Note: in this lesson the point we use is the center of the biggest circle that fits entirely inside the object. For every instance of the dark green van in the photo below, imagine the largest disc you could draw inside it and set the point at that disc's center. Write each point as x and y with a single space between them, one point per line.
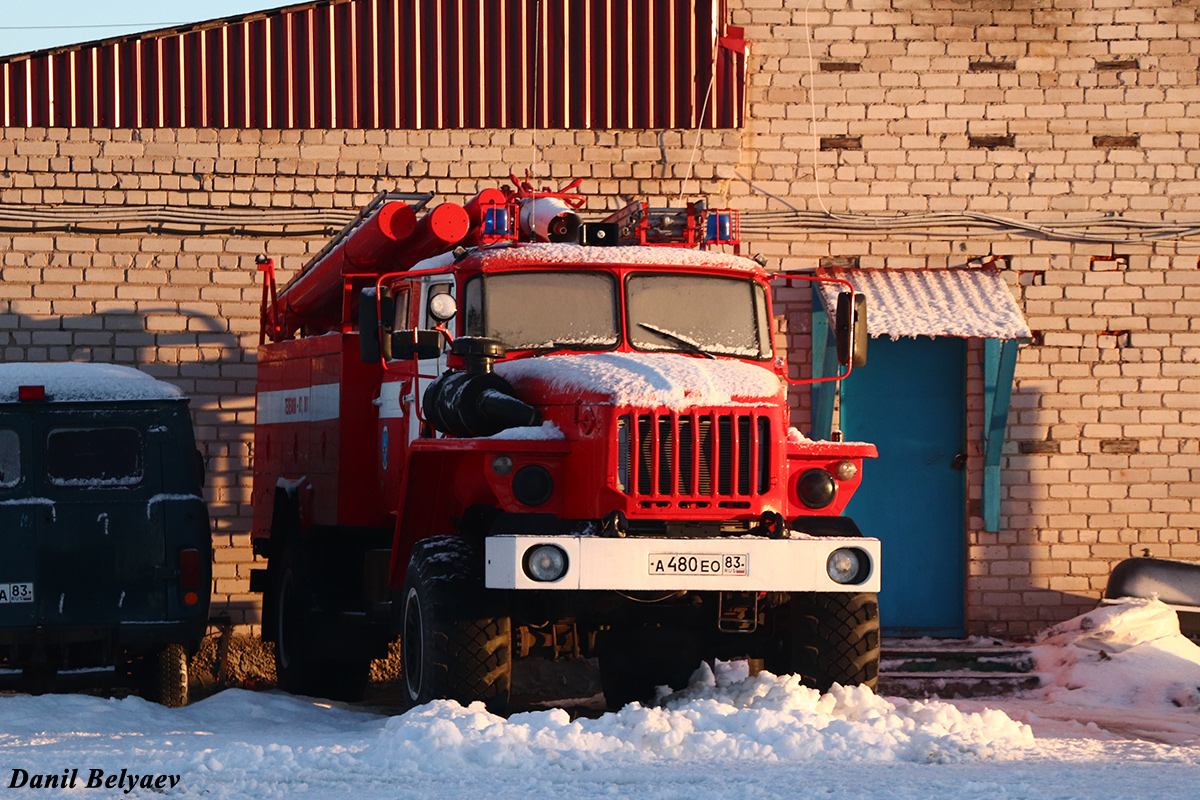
105 545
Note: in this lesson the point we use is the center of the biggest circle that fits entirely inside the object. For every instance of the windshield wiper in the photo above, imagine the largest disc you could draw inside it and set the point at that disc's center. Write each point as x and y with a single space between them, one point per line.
688 342
559 346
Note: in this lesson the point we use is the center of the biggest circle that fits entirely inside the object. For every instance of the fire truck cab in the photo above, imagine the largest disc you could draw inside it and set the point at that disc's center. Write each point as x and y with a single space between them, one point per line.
522 434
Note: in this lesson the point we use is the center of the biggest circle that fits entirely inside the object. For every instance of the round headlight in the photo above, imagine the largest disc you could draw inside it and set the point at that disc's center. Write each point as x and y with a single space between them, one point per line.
845 470
545 563
816 488
532 485
502 465
847 565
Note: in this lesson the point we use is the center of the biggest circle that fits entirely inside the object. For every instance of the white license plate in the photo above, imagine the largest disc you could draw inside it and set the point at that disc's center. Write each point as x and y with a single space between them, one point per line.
16 592
699 563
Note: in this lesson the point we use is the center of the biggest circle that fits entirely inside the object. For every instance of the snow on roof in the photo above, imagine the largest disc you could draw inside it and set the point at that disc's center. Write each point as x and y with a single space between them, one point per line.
1126 655
555 253
933 302
648 379
78 382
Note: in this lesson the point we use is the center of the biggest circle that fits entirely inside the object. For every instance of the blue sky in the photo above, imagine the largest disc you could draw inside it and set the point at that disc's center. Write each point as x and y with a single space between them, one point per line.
37 24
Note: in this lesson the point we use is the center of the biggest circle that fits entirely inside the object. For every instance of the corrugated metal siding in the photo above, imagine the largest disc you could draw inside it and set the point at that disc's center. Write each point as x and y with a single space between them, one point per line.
409 64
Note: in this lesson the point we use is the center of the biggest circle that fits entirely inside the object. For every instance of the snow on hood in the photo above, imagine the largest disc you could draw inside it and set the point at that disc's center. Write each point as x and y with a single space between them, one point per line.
1125 655
78 382
647 379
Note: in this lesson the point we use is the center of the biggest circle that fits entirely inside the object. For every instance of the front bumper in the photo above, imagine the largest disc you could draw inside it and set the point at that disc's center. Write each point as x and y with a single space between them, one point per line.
743 563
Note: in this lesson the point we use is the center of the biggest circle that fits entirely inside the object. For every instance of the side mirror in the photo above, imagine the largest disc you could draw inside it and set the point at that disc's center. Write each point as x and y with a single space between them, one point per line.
850 328
415 344
374 326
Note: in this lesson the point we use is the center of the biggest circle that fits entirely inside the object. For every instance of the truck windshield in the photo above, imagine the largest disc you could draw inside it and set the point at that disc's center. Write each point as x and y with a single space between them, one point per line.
705 314
544 310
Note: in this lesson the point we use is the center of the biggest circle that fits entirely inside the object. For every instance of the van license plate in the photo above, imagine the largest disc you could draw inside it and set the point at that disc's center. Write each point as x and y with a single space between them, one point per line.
699 564
16 592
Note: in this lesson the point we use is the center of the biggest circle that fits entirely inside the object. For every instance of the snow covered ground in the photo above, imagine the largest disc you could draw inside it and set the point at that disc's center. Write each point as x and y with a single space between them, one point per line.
1118 718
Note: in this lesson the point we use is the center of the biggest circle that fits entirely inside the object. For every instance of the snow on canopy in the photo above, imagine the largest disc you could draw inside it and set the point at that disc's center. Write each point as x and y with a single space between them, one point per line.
970 303
77 382
1129 654
648 379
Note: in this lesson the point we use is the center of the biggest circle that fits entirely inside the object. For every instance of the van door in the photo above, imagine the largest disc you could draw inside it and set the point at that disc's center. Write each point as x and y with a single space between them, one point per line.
21 507
100 553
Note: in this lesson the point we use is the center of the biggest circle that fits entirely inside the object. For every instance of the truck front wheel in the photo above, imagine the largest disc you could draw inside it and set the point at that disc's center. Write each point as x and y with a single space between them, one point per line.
456 640
827 638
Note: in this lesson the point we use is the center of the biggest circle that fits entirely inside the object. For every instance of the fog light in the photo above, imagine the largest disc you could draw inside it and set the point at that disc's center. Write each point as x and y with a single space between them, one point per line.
845 470
502 465
816 488
532 485
545 563
847 565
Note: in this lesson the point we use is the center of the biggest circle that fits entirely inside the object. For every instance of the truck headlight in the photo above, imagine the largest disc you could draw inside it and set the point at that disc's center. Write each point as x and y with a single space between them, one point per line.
532 485
545 563
816 488
848 565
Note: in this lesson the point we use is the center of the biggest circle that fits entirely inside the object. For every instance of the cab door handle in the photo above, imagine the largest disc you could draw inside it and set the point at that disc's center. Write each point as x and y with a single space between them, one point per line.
959 461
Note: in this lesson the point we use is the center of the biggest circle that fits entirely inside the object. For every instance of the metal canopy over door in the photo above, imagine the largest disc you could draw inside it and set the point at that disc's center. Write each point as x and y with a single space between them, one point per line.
910 401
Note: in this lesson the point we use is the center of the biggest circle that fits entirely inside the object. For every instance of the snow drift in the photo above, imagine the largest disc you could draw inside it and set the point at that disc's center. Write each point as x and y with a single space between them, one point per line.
241 743
1129 654
764 718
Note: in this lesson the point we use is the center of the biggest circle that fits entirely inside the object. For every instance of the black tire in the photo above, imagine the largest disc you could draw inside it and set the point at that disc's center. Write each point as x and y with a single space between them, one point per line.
827 638
296 671
170 676
456 641
636 660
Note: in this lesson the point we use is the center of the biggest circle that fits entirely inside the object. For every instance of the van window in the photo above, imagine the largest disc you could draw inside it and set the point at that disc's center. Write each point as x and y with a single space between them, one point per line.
10 458
108 456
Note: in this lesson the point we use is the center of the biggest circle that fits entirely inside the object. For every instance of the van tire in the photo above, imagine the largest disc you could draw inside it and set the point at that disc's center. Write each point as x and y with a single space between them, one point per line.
456 636
827 638
171 676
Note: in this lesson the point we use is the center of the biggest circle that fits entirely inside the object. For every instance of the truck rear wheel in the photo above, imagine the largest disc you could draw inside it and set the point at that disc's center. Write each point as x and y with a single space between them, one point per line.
827 638
296 671
456 641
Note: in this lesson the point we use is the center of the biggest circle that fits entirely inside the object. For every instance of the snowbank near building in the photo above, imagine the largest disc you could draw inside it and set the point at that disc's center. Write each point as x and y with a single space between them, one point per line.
241 744
1129 654
766 718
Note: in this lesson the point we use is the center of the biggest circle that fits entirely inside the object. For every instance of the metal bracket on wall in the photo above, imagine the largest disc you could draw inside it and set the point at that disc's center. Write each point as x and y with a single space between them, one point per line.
999 369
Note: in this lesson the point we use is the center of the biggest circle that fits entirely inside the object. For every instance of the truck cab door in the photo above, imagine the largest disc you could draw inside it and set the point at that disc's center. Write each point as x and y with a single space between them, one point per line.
395 405
429 369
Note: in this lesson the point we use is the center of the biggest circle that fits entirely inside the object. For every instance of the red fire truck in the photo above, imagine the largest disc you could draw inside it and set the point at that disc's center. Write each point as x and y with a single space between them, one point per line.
496 431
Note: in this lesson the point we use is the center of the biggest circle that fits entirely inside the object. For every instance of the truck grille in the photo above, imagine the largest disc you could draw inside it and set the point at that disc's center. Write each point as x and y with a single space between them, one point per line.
693 457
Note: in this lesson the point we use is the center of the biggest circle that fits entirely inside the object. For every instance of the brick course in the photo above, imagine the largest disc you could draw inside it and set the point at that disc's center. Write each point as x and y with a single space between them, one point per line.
1103 452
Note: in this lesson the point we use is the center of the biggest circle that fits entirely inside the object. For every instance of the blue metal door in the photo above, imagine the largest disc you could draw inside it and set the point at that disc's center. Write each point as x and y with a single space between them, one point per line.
910 401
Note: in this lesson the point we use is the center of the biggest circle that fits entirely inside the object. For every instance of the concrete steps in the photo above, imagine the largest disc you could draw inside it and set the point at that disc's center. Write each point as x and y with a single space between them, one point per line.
954 668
